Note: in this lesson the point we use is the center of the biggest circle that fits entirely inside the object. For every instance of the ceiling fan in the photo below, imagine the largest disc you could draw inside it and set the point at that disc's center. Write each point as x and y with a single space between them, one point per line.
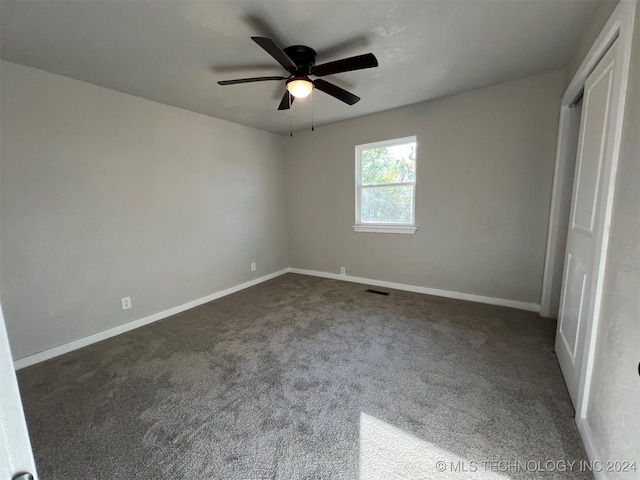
299 61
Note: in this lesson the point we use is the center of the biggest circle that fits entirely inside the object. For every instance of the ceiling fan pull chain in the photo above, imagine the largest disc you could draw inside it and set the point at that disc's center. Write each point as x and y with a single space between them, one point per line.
290 122
312 111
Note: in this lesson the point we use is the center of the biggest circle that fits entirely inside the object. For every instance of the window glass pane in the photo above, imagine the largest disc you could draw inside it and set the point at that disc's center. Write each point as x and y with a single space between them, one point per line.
389 164
387 204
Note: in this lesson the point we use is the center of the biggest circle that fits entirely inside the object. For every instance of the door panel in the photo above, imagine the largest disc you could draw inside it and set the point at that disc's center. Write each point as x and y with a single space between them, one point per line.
573 318
589 170
572 305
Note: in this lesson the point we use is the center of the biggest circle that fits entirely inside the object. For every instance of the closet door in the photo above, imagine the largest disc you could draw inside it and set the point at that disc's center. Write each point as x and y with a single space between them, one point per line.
573 317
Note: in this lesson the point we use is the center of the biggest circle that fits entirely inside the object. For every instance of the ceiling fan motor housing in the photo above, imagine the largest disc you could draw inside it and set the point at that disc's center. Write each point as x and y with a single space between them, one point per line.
304 57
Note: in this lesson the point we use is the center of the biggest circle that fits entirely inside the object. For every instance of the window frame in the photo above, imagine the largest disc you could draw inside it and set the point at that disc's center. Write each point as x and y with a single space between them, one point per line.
384 227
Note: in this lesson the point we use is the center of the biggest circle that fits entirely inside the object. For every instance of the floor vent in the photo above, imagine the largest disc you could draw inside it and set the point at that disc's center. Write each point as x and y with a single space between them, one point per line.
377 292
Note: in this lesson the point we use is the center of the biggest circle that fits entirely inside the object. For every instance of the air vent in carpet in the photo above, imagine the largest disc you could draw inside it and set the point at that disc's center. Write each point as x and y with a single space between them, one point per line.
377 292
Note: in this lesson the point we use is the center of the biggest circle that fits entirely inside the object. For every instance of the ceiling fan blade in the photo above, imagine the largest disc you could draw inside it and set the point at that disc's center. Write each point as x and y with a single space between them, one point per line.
368 60
249 80
276 52
286 101
335 91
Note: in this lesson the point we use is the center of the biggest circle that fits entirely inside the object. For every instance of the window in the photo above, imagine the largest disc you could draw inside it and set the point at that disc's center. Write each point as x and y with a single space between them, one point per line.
386 186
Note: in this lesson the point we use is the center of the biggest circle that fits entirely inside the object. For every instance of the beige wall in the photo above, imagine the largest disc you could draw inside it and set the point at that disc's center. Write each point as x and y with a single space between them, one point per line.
105 195
484 172
614 405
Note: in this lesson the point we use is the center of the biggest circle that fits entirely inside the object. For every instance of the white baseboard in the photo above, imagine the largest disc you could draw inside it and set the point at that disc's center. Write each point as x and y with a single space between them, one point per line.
592 450
531 307
112 332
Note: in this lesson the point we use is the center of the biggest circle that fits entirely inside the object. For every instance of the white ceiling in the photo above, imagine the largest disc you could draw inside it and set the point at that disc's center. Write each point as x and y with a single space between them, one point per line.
174 52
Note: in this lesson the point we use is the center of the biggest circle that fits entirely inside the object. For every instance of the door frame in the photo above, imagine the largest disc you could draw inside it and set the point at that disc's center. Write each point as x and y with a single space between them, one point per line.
15 447
619 26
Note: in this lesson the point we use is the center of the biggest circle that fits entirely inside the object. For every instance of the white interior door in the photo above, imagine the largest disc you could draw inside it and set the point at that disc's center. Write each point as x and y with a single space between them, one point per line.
574 314
16 459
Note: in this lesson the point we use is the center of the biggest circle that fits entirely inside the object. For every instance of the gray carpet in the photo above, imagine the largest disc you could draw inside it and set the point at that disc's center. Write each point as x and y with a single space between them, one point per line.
308 378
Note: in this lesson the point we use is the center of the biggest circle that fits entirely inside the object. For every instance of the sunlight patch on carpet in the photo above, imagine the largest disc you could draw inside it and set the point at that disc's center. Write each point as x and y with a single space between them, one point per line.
389 453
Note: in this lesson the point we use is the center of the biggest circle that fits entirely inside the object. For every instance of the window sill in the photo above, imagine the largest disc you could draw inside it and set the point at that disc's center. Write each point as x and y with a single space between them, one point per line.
408 230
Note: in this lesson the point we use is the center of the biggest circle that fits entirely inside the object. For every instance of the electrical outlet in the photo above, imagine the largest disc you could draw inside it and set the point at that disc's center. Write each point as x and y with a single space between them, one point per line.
343 271
253 267
126 303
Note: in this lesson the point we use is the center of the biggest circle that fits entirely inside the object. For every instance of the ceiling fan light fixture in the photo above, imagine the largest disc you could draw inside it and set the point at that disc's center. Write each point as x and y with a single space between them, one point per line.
299 88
